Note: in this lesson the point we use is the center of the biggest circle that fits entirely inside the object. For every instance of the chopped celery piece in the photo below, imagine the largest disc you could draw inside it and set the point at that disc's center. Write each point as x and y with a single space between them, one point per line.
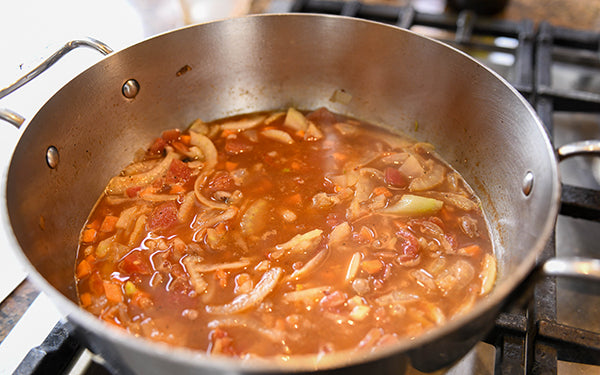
295 120
410 205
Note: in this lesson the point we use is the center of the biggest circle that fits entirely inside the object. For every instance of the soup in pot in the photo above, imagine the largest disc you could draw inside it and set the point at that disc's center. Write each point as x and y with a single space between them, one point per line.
284 233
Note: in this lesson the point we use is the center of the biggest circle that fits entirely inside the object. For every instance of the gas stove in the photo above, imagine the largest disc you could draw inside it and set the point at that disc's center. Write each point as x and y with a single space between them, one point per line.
556 330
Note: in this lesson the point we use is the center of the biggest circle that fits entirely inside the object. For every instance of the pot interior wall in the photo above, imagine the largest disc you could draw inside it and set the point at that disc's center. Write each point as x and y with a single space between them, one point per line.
394 77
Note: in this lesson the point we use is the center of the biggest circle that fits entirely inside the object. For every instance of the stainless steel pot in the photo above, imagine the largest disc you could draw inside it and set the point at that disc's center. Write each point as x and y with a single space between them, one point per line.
89 129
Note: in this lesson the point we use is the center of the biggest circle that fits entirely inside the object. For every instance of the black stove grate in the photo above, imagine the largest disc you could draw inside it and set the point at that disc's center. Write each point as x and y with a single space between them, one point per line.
528 340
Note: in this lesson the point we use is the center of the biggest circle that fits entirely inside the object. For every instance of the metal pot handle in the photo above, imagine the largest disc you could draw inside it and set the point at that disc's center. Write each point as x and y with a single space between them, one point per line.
16 119
574 267
590 147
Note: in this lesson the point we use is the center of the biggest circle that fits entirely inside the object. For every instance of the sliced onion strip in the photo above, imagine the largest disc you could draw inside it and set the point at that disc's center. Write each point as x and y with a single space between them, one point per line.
247 301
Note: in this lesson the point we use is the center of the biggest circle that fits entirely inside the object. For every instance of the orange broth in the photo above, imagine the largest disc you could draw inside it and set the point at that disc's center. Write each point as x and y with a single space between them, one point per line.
284 233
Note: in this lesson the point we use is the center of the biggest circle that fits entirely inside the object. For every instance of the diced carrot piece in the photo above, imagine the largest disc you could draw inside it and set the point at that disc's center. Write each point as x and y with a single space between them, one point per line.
300 133
280 325
94 224
179 146
91 259
371 266
339 156
294 199
176 189
186 139
366 234
227 132
83 269
471 250
221 275
221 228
85 299
108 224
148 190
88 235
296 165
445 213
113 292
381 190
264 185
230 166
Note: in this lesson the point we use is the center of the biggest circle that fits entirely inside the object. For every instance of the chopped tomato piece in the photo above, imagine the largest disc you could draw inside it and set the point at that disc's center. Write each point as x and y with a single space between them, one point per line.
237 145
178 172
409 245
133 191
163 216
170 135
134 263
95 284
158 146
322 116
221 181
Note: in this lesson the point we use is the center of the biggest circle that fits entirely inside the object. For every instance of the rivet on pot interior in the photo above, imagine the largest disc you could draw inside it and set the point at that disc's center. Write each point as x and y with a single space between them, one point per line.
130 88
528 183
52 158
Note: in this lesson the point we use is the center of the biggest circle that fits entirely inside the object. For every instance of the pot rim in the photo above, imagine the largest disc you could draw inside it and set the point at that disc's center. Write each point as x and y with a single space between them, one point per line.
496 298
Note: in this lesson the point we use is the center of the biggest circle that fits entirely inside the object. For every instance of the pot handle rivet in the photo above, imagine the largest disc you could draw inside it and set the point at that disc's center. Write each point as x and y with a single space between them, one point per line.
528 183
52 157
130 88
